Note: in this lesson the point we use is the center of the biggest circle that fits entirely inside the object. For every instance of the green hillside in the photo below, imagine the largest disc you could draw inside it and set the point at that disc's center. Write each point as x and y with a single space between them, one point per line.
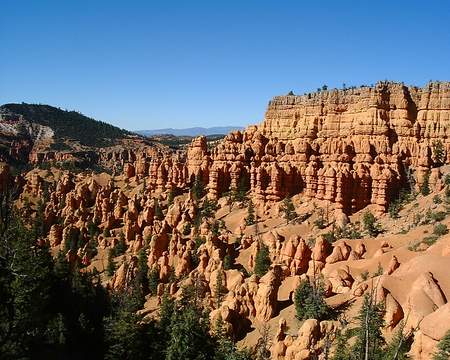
68 124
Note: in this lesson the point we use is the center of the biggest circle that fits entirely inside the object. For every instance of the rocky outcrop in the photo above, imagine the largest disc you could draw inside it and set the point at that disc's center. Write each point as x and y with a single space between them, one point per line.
350 148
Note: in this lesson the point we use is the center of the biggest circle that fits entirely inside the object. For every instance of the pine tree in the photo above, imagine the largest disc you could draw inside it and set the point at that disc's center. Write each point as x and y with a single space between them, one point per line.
263 344
288 209
189 334
250 219
438 153
225 349
443 346
157 210
369 339
262 260
153 280
121 246
142 273
425 187
219 288
310 302
198 187
371 225
398 348
341 350
111 266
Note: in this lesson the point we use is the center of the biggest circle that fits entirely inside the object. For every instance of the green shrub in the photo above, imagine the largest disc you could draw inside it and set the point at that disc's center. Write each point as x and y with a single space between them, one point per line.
187 229
330 236
209 208
443 348
320 221
438 153
438 216
371 225
310 302
440 229
227 262
437 199
430 240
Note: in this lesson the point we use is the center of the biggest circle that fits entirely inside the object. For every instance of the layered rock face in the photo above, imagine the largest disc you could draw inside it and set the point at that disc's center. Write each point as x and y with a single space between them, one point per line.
351 147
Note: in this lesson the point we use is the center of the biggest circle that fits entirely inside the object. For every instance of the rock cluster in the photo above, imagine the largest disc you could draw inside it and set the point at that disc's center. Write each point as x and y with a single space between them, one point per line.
351 147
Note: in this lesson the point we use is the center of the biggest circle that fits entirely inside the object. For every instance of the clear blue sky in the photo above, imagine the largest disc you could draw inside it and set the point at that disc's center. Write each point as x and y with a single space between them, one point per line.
152 64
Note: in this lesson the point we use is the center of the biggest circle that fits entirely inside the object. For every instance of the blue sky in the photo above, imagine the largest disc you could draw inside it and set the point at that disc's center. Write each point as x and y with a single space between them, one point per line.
154 64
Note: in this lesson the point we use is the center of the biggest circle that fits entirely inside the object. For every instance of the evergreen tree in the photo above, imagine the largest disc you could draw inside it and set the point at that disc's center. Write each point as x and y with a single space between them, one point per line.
425 187
369 339
263 345
198 188
170 197
157 210
262 260
39 228
219 288
250 219
126 336
111 266
153 280
443 346
225 349
371 225
399 346
209 208
310 302
341 350
438 153
189 336
288 209
142 273
227 262
121 246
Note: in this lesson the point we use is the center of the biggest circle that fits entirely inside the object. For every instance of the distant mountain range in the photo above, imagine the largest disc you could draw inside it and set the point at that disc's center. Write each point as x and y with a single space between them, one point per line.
194 131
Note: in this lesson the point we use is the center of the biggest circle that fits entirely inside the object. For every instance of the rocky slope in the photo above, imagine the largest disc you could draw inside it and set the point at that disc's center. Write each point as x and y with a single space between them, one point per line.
338 155
39 134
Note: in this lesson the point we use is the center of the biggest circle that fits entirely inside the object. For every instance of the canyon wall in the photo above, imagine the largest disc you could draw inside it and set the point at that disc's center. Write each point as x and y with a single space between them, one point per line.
351 147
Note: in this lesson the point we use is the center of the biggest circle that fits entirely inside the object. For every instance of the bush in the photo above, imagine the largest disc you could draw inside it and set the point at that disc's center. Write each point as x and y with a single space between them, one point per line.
443 347
437 199
209 208
187 229
227 262
310 302
330 237
371 225
440 229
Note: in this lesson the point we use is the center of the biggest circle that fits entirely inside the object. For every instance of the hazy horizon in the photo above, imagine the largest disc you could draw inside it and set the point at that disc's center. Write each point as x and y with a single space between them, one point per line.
152 65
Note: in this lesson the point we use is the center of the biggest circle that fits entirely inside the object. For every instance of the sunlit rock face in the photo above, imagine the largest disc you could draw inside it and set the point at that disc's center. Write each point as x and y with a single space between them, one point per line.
351 147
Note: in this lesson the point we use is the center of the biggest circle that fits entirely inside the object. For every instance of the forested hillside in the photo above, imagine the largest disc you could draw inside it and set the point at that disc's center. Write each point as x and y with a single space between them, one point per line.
68 124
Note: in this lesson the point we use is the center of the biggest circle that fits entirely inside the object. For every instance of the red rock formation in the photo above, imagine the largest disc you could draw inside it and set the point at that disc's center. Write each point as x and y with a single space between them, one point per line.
349 147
